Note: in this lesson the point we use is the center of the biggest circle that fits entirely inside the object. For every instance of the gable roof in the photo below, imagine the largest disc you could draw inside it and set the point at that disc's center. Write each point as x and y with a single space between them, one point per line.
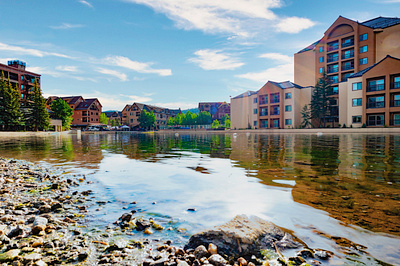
362 72
286 85
381 22
245 94
310 47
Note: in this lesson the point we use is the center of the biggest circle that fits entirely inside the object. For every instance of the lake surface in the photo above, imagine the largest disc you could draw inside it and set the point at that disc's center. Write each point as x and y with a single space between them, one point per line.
336 192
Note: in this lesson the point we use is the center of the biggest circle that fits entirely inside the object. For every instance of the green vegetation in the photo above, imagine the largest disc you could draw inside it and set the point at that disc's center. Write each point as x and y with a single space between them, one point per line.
190 119
10 114
215 124
147 120
103 119
321 104
305 117
61 110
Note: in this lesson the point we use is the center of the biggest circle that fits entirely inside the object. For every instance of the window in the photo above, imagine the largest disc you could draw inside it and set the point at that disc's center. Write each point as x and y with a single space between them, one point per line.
332 57
255 111
375 120
321 59
321 49
364 49
364 37
396 100
288 95
357 102
333 46
321 70
22 77
396 83
275 123
357 86
22 87
255 123
396 119
264 99
333 68
376 102
288 108
348 42
335 90
255 100
334 79
275 97
356 119
263 111
275 110
264 123
348 54
364 61
288 122
376 85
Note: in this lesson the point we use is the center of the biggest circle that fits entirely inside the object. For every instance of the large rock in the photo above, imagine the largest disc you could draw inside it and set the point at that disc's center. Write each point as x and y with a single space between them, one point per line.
244 236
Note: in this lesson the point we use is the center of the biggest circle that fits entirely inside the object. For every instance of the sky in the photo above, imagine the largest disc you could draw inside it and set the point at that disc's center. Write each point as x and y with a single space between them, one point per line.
168 53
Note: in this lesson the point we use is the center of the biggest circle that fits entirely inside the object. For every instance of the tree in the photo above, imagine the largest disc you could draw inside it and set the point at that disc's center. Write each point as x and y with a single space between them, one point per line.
215 124
61 110
320 102
147 120
227 123
204 118
112 123
103 119
305 117
225 117
171 121
11 116
38 117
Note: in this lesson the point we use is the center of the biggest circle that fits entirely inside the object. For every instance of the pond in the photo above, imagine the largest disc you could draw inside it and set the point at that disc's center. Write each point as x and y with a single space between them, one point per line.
338 192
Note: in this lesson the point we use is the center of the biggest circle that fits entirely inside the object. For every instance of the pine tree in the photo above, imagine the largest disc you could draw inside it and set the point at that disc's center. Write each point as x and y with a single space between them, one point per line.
11 117
37 116
320 102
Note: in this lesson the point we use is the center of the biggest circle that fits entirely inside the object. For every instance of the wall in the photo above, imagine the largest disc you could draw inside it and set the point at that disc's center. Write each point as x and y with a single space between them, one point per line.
304 68
388 42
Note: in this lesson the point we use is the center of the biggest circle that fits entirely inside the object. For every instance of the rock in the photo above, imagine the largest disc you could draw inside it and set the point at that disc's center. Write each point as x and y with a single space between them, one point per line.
159 262
40 263
126 217
142 225
56 206
36 230
200 252
9 255
212 249
6 218
40 221
181 263
322 254
3 228
243 236
19 230
45 208
148 231
217 260
83 256
242 261
38 242
32 257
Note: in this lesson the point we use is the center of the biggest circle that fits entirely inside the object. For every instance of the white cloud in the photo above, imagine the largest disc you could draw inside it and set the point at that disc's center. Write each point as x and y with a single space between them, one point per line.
277 57
279 73
67 68
294 24
28 51
215 60
86 3
66 26
135 65
177 105
215 15
117 74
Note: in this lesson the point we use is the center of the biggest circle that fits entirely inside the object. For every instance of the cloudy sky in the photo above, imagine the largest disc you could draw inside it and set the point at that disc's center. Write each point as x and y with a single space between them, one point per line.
170 53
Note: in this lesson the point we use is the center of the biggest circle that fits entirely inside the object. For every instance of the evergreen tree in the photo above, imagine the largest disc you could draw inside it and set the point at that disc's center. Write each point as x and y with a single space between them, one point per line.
2 100
37 115
305 117
320 102
61 110
11 116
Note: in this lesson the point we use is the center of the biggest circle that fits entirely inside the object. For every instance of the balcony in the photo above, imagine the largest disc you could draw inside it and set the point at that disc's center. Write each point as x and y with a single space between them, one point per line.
377 87
395 103
395 122
395 85
348 55
332 48
332 59
332 70
348 43
347 67
264 113
264 102
375 105
274 112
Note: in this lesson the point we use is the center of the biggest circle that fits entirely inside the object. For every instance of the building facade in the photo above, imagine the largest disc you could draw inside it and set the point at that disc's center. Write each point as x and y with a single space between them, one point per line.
24 80
244 111
113 115
86 111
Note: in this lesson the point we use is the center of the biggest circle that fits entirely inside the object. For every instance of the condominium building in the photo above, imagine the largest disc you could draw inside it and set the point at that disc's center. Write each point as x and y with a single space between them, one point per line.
275 105
18 76
347 47
372 96
86 111
244 110
216 109
131 114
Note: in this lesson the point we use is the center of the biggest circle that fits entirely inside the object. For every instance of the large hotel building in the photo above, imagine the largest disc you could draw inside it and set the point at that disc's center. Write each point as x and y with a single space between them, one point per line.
362 60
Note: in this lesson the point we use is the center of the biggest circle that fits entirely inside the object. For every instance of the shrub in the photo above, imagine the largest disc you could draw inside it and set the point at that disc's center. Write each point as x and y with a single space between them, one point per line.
344 126
364 125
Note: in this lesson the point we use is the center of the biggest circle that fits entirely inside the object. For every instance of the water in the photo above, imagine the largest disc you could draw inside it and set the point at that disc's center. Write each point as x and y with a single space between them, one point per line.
336 192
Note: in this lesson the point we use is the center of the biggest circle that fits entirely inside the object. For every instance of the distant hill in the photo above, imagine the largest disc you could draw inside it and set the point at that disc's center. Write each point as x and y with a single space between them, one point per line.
193 110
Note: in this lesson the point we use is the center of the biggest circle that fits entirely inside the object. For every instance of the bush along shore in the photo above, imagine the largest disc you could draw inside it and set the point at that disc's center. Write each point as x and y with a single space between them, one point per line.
42 222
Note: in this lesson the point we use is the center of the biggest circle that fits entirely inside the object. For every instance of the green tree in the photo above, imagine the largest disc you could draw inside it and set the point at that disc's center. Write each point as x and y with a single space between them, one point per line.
305 117
226 116
215 124
61 110
103 119
112 123
170 121
11 116
189 118
204 118
227 123
39 118
320 102
147 120
179 119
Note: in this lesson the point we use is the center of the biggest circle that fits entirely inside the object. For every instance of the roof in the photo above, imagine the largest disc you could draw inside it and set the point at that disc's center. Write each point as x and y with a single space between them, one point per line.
286 85
362 72
381 22
71 99
310 47
245 94
85 104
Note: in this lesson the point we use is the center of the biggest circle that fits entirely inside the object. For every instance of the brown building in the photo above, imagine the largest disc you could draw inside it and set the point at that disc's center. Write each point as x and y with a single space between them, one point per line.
86 111
113 115
347 47
372 96
216 109
131 114
24 80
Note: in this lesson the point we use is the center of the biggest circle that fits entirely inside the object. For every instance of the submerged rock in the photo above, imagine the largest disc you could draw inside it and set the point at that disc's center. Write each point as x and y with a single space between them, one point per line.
244 236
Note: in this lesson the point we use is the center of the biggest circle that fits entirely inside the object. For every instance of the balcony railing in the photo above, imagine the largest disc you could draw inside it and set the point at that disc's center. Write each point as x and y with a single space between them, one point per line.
395 103
375 105
263 113
332 70
348 55
274 100
344 68
332 48
375 123
274 112
378 87
332 59
333 92
264 102
347 44
395 122
395 85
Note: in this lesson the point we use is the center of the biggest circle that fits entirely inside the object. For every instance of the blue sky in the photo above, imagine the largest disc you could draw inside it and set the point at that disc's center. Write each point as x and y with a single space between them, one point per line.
170 53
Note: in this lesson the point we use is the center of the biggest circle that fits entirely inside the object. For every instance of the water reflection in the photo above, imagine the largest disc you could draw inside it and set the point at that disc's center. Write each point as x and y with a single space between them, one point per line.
354 178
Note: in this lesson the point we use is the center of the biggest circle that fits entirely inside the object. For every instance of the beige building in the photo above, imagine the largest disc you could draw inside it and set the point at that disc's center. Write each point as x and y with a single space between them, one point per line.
244 110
